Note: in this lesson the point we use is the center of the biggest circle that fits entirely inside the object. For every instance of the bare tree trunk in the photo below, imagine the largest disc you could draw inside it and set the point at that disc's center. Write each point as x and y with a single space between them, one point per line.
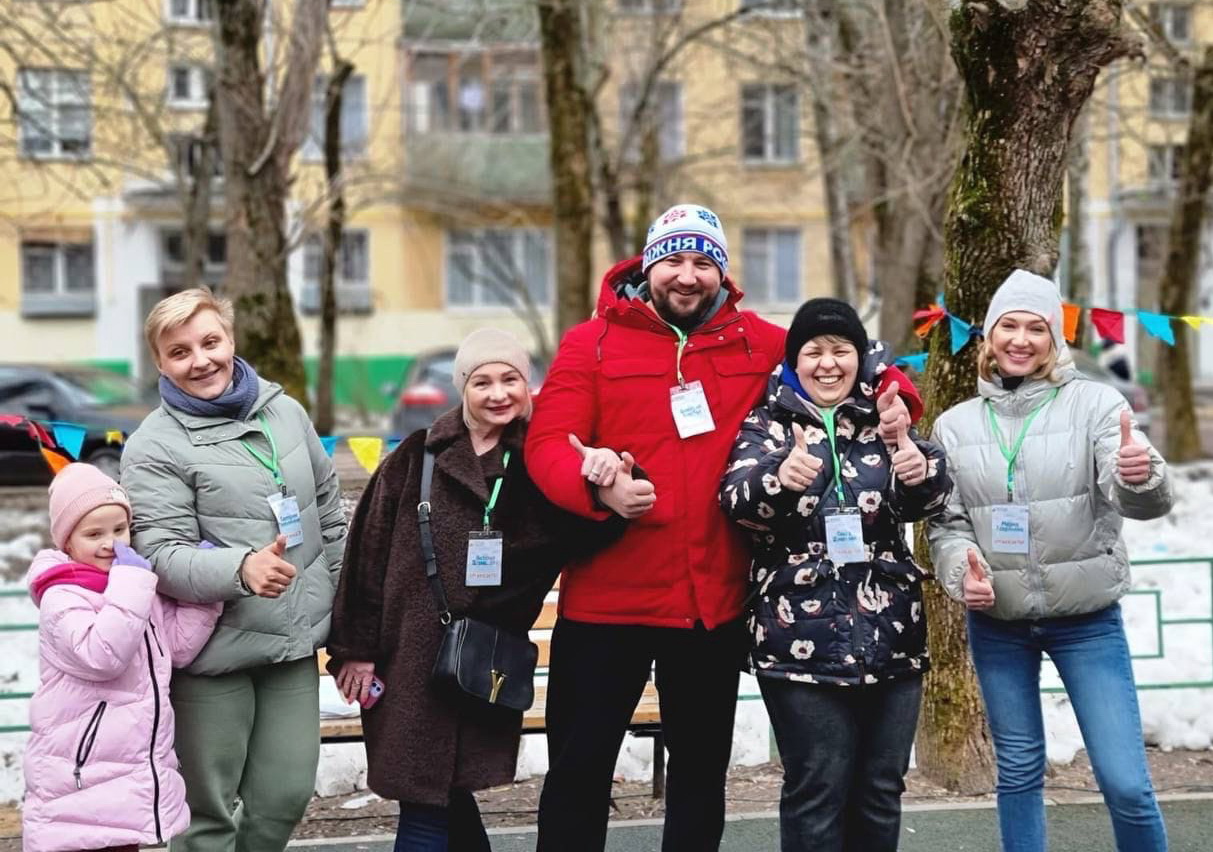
1028 71
903 241
563 43
1078 259
196 231
1179 276
258 142
342 69
646 183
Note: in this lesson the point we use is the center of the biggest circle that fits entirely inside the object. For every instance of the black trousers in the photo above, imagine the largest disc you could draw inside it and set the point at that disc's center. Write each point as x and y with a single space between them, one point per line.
597 674
845 753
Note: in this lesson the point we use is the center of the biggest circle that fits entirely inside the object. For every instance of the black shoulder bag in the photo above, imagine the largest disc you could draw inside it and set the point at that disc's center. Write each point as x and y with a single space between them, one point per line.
475 659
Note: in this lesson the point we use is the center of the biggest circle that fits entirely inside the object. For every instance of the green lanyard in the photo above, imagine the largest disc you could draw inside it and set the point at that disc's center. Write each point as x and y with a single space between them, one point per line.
1012 453
682 345
270 464
492 504
829 419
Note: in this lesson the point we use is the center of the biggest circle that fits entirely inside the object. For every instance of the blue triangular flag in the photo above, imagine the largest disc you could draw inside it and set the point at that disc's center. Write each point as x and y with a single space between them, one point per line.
391 444
330 443
70 437
1157 325
917 362
960 333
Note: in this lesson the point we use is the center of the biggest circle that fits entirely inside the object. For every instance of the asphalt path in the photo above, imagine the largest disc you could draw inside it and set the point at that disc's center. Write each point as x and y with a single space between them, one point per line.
1072 828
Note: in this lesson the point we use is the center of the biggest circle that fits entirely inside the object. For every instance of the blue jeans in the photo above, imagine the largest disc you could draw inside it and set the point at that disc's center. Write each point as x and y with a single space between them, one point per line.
456 828
1092 657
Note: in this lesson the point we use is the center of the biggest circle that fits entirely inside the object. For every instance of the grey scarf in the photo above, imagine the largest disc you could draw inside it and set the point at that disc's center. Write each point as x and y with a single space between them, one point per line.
235 403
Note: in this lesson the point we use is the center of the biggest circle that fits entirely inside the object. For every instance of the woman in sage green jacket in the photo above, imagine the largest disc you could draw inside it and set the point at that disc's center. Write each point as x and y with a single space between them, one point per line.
213 464
1045 464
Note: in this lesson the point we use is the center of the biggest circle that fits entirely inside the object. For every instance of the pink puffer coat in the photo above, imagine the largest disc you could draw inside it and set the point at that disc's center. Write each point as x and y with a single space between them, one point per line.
100 769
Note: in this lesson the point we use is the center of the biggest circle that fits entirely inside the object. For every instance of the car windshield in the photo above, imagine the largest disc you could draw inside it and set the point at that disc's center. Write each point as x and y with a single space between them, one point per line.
99 388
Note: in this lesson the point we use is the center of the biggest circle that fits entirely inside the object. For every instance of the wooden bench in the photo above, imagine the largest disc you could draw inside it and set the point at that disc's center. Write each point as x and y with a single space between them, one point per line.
646 718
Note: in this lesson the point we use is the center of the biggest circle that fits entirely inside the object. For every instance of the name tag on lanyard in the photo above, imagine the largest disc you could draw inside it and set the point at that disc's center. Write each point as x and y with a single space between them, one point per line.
1009 528
844 537
692 415
484 558
286 511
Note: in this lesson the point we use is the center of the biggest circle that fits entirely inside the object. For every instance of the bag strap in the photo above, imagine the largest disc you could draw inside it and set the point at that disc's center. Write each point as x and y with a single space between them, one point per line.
427 538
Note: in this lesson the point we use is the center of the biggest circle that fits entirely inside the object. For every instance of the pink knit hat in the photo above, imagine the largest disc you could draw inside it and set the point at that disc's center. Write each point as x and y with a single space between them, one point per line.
76 491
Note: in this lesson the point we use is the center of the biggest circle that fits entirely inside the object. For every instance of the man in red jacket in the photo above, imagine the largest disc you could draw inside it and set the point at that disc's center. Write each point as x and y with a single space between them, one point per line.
666 371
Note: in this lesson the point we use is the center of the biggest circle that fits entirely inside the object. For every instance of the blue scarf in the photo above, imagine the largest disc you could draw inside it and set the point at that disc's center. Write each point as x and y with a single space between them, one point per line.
789 378
235 403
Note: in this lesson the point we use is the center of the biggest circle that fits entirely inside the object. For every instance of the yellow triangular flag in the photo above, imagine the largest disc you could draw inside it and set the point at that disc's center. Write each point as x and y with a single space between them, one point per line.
367 451
1194 321
113 436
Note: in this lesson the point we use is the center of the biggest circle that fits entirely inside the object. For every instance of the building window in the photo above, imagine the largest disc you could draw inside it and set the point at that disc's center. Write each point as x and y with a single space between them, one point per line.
771 261
187 155
190 11
498 267
1170 97
1174 20
1165 163
770 123
665 107
352 281
188 86
353 119
173 250
650 7
774 8
480 92
57 279
56 112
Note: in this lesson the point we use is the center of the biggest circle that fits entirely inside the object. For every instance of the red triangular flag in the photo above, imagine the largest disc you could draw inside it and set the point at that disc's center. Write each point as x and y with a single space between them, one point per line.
1110 325
1070 313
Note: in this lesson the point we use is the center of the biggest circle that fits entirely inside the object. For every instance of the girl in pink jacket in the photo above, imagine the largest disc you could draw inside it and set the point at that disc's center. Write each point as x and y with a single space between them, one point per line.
100 772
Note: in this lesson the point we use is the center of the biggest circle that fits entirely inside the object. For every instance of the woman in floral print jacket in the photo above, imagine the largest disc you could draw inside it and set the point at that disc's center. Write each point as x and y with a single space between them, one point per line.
837 599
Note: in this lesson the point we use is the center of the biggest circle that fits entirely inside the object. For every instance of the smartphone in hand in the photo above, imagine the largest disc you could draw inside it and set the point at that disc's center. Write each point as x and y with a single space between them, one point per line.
373 692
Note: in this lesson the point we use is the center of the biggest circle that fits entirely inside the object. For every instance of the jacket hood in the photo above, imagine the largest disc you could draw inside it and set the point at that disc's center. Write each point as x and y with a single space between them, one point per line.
624 286
862 399
55 568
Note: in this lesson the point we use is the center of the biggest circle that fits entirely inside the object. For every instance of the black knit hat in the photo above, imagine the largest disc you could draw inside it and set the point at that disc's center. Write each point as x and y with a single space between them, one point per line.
824 316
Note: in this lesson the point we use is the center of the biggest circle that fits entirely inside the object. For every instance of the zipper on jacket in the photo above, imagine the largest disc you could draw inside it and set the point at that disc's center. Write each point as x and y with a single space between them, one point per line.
85 747
151 754
156 637
856 642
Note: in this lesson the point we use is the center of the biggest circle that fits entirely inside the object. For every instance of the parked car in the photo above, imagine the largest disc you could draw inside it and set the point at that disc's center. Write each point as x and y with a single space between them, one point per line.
99 400
428 390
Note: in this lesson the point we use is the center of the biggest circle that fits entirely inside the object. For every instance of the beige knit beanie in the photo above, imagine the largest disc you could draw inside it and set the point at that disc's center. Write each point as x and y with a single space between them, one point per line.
489 346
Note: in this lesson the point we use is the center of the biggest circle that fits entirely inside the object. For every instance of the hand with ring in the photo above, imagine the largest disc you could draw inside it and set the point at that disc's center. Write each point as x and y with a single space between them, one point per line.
598 464
354 680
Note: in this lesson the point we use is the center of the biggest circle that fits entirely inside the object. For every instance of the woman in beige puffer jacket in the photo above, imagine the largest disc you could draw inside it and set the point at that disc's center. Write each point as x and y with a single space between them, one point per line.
1045 464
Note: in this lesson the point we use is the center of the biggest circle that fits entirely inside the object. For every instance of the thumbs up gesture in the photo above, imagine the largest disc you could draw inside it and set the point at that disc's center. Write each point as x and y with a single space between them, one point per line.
978 591
265 572
598 464
1133 460
893 413
801 467
626 496
909 464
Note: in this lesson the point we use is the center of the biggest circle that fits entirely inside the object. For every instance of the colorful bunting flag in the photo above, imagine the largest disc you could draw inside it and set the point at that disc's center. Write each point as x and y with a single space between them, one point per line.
392 444
70 437
961 332
917 362
1070 314
1195 322
1110 325
330 444
55 461
367 451
928 318
1157 325
114 436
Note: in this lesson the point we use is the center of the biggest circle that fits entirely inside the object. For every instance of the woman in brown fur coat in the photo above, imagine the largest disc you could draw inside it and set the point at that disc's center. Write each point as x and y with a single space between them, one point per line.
423 748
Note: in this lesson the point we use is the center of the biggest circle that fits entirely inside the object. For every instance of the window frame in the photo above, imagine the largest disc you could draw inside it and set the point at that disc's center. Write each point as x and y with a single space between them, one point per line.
194 16
198 75
61 300
627 96
650 7
1173 83
477 237
312 149
770 8
770 234
59 81
770 101
1163 15
354 295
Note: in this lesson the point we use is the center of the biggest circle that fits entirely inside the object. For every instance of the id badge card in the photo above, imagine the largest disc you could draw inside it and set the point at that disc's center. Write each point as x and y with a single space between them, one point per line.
484 558
1009 528
844 537
286 510
692 415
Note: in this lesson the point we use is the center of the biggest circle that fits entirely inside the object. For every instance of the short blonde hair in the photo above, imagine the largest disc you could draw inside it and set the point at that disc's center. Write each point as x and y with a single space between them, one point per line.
987 364
179 308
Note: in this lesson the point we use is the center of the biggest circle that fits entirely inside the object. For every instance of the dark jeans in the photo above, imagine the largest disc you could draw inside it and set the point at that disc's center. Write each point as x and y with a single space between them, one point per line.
597 674
845 753
456 828
1092 657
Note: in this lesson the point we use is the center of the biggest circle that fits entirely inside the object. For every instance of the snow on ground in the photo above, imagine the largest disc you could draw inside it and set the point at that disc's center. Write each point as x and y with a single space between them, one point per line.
1168 616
